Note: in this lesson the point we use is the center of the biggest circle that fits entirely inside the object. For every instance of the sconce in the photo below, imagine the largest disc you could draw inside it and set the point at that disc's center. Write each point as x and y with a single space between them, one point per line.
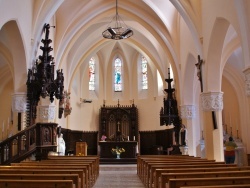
85 100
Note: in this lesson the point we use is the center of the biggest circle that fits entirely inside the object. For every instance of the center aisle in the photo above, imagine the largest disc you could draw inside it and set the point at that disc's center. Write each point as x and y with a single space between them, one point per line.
118 175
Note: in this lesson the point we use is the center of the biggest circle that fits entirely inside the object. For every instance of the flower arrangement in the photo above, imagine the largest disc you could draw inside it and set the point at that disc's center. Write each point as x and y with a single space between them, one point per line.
103 138
117 150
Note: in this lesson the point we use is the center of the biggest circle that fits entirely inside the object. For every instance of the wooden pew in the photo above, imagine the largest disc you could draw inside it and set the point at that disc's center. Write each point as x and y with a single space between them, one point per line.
177 183
158 172
141 158
165 177
142 161
36 183
84 182
149 173
220 186
145 164
94 170
90 175
96 160
76 158
73 177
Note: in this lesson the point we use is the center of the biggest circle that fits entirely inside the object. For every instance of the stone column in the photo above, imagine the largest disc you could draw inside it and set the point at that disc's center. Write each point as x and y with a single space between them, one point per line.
188 113
212 104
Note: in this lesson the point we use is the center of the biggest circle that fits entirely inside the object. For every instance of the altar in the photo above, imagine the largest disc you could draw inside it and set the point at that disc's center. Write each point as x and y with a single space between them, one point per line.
106 156
106 147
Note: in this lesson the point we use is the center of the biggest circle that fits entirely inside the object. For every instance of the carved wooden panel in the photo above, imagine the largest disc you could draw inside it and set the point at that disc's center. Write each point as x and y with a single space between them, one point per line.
72 136
118 123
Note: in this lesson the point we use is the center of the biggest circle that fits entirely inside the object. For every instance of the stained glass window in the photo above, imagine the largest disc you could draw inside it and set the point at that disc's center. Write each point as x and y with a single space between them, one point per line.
118 74
92 74
144 69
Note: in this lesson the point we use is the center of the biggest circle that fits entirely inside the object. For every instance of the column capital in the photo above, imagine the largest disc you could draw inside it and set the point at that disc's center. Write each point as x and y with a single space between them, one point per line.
212 101
19 102
247 80
188 111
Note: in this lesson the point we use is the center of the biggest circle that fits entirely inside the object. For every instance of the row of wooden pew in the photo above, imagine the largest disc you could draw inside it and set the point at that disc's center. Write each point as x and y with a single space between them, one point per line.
179 171
55 172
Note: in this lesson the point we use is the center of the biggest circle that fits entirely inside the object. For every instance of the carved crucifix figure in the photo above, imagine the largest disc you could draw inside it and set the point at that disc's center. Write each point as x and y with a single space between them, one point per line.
199 71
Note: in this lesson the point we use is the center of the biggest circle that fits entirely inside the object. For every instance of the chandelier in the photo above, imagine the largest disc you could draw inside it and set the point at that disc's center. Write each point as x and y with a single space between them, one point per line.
119 30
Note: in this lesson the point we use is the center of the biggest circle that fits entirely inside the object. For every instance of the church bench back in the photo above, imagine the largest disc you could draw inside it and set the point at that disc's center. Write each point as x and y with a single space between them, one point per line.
85 182
78 158
73 177
148 176
220 186
158 172
177 183
36 183
165 177
141 158
143 164
93 168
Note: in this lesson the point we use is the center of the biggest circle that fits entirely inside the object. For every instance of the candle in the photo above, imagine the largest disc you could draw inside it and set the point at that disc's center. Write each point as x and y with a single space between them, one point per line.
8 123
230 121
134 138
3 127
236 125
128 138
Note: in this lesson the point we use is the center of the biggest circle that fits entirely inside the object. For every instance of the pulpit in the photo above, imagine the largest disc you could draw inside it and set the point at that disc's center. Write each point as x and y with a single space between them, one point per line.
81 148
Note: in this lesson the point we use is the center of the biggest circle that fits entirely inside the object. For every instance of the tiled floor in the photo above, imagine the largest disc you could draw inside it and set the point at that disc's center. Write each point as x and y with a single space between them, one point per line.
118 176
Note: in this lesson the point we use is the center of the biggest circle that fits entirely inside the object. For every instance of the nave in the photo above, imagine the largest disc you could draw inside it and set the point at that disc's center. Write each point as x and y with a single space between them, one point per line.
118 175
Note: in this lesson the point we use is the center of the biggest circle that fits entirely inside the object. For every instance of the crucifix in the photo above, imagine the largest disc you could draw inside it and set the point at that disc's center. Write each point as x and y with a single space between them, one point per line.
199 74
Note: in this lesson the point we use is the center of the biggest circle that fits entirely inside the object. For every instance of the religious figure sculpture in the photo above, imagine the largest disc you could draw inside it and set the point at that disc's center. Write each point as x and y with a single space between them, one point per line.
61 145
183 136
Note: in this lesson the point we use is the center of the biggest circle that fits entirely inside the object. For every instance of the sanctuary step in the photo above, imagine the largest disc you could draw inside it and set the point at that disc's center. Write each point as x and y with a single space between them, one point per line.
118 161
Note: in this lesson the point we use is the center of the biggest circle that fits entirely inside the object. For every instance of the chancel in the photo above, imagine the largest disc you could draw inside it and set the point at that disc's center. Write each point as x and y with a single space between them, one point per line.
118 123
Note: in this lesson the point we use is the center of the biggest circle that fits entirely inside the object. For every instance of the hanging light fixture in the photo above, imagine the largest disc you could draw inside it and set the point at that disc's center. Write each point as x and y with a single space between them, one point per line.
119 30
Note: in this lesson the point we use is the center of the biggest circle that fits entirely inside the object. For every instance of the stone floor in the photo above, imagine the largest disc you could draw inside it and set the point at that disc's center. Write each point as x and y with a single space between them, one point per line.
118 175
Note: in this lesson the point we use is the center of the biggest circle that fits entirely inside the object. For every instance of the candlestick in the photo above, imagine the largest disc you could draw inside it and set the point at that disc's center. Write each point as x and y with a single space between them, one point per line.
230 122
237 126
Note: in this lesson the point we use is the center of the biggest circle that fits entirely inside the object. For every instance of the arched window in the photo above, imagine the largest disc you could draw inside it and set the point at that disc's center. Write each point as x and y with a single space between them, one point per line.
118 74
92 74
144 72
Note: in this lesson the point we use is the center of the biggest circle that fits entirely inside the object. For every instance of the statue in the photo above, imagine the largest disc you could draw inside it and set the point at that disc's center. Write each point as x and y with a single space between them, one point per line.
183 136
61 145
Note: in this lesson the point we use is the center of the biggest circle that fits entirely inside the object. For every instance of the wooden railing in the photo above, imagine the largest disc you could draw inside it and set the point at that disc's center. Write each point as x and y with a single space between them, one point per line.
37 139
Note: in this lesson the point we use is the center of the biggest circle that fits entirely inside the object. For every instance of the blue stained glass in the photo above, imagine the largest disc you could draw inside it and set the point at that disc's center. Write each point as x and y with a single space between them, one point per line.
118 74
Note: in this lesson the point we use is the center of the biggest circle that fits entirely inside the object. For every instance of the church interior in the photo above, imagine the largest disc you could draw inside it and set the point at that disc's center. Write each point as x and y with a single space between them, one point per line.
152 77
